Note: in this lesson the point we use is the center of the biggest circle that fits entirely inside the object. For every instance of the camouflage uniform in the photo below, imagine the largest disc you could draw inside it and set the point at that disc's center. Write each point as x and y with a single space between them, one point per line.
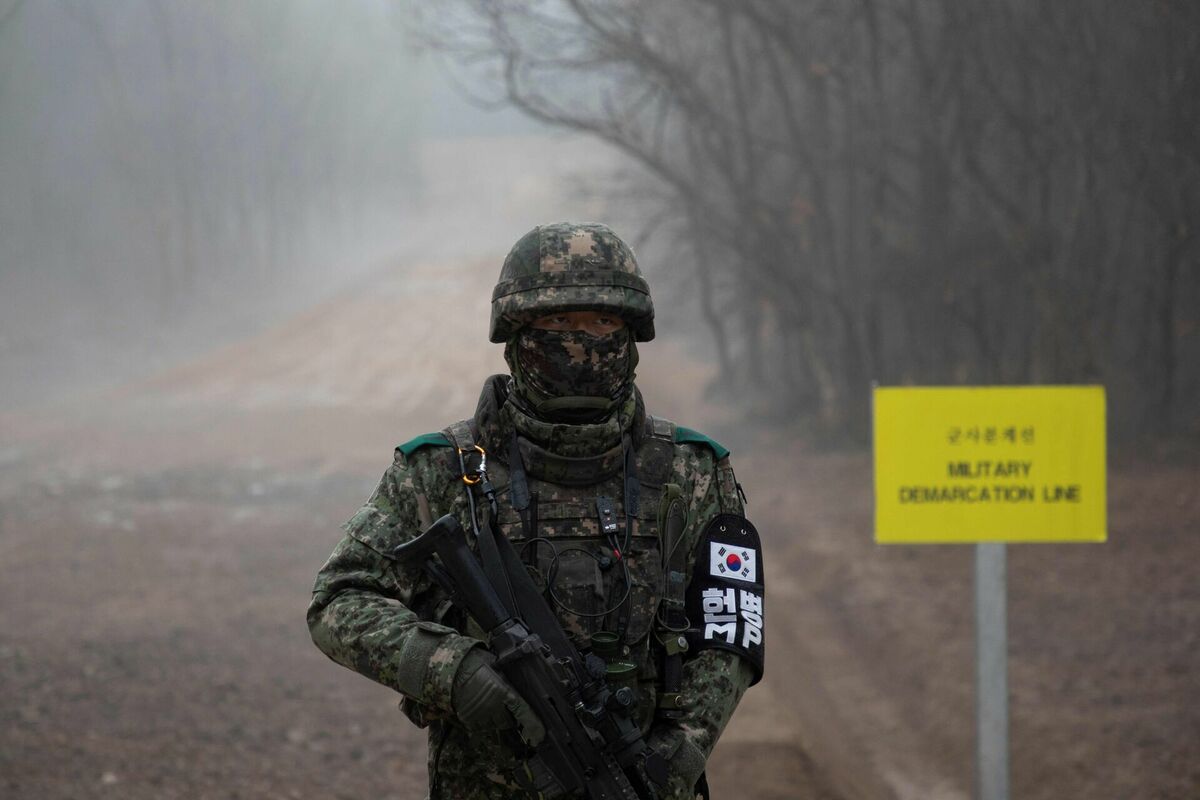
390 623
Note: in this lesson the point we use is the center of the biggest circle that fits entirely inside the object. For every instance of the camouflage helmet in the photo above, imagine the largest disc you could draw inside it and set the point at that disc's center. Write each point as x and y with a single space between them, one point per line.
570 267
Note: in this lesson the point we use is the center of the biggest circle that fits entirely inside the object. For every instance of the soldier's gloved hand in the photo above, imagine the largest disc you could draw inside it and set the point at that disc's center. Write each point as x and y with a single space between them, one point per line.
483 700
685 762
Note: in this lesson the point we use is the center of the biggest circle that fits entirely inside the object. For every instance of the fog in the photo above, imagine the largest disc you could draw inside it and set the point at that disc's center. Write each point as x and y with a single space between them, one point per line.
178 176
248 247
988 206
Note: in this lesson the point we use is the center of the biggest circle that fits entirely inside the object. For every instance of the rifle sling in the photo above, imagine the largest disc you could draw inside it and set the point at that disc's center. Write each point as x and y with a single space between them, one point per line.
488 554
506 566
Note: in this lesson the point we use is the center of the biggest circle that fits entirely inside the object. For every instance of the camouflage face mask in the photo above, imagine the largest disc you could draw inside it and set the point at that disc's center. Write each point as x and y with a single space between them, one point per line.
561 370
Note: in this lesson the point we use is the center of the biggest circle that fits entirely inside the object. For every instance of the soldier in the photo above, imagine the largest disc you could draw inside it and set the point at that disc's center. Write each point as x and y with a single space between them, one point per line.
585 481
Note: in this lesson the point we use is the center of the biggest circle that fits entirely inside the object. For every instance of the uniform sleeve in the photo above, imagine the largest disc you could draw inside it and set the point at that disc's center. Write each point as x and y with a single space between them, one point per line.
713 680
361 614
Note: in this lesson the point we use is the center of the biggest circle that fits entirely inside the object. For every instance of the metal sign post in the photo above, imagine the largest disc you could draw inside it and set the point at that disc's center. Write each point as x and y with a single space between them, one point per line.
991 676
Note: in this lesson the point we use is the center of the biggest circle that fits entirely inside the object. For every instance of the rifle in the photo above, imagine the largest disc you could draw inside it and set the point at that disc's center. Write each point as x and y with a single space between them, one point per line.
592 744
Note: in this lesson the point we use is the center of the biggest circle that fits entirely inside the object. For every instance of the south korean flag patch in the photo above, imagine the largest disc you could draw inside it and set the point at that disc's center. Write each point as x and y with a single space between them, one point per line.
726 560
725 600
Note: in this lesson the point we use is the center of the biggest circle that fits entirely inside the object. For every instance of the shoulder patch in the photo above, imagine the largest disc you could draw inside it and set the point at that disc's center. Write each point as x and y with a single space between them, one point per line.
434 439
688 436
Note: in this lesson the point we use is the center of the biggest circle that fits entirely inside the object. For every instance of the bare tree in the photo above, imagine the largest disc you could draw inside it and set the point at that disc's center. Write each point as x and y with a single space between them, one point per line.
882 189
162 155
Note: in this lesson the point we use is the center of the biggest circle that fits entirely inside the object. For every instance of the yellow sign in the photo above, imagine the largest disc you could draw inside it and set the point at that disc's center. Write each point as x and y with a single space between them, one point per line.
990 464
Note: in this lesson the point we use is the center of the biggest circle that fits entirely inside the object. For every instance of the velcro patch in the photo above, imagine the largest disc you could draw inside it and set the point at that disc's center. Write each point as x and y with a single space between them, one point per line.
725 601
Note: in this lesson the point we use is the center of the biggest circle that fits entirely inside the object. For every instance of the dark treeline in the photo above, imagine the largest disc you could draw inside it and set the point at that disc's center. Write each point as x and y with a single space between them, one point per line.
943 192
160 159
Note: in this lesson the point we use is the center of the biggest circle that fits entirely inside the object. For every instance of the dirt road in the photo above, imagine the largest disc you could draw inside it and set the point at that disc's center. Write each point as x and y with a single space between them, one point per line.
154 643
157 546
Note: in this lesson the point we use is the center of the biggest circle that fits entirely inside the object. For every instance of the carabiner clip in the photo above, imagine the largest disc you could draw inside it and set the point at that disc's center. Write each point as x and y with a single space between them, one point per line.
481 473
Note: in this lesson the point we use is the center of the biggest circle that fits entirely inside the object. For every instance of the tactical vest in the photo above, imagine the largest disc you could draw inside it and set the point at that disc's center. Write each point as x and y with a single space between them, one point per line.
563 543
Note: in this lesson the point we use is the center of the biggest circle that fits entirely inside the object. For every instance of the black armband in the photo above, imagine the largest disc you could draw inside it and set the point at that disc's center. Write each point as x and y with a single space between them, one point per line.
725 601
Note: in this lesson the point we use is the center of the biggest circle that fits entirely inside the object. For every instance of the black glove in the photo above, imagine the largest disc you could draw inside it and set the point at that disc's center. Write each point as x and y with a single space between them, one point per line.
484 701
685 762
